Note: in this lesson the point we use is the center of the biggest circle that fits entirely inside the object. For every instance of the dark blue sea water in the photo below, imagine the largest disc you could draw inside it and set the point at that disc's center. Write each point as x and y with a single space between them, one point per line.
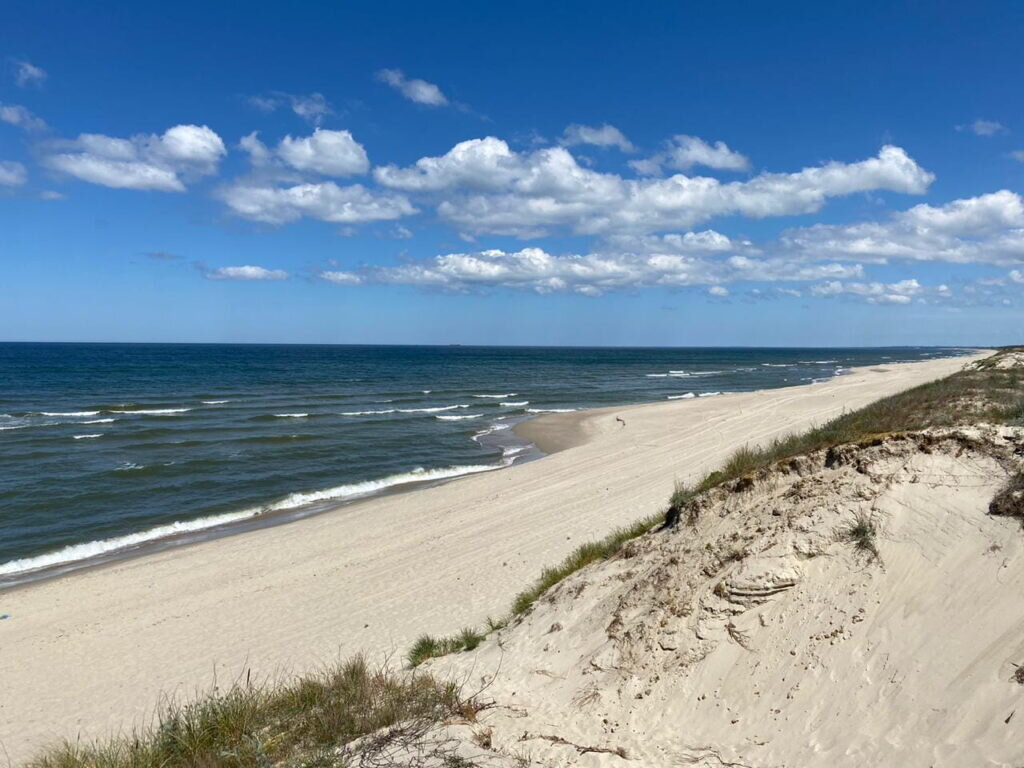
110 447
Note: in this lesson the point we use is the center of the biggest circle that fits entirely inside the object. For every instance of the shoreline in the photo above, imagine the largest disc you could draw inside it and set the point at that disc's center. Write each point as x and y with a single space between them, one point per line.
289 597
536 436
266 517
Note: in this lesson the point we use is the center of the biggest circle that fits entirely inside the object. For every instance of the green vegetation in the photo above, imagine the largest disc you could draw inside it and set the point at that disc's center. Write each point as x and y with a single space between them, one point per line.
862 533
353 715
1010 499
312 721
583 556
983 393
429 647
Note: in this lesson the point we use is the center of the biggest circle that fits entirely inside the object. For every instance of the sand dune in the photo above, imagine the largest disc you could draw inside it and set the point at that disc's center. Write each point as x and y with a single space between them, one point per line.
86 654
761 636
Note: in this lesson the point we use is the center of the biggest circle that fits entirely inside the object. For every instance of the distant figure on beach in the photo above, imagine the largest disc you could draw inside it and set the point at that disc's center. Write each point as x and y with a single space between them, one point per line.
621 420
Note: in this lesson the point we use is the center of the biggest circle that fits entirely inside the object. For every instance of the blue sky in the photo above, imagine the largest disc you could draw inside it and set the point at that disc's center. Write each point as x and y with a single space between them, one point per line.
525 173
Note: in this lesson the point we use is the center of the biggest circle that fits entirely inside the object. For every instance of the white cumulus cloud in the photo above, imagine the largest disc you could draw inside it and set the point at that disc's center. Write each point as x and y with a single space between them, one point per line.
902 292
988 228
684 152
419 91
599 136
245 272
590 274
160 162
492 189
326 201
330 153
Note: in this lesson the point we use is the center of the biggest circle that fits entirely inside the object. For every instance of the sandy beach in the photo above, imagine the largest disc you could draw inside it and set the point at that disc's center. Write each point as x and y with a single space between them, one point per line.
89 653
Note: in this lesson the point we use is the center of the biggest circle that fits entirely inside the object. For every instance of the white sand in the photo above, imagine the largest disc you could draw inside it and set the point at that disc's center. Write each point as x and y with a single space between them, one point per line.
91 652
758 636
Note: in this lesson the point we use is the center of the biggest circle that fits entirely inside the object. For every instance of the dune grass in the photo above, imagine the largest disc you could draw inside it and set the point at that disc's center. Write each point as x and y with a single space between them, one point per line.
311 721
863 533
581 557
429 647
1009 501
982 393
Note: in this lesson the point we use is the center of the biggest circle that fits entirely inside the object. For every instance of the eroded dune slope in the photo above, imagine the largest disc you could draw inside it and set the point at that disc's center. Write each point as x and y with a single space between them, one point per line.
764 631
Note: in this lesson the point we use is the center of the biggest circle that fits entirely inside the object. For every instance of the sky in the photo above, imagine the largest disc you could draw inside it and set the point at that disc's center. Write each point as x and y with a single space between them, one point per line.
664 174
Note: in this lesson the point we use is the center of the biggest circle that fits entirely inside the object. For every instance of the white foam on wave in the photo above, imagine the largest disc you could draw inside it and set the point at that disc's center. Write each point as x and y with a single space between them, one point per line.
215 402
367 413
100 421
367 487
460 418
436 409
491 430
498 397
778 365
687 396
91 549
88 437
709 394
551 410
155 411
291 415
656 375
514 404
73 414
426 391
129 466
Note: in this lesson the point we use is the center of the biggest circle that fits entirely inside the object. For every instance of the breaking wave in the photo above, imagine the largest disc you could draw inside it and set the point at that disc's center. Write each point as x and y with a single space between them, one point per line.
91 549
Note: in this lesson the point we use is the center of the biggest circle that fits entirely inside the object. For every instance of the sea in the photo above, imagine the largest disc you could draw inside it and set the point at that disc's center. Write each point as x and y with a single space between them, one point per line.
108 450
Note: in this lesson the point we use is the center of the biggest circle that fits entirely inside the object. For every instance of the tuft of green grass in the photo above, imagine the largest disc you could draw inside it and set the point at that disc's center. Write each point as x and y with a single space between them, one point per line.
429 647
680 496
306 722
1009 501
469 638
583 556
863 534
425 647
